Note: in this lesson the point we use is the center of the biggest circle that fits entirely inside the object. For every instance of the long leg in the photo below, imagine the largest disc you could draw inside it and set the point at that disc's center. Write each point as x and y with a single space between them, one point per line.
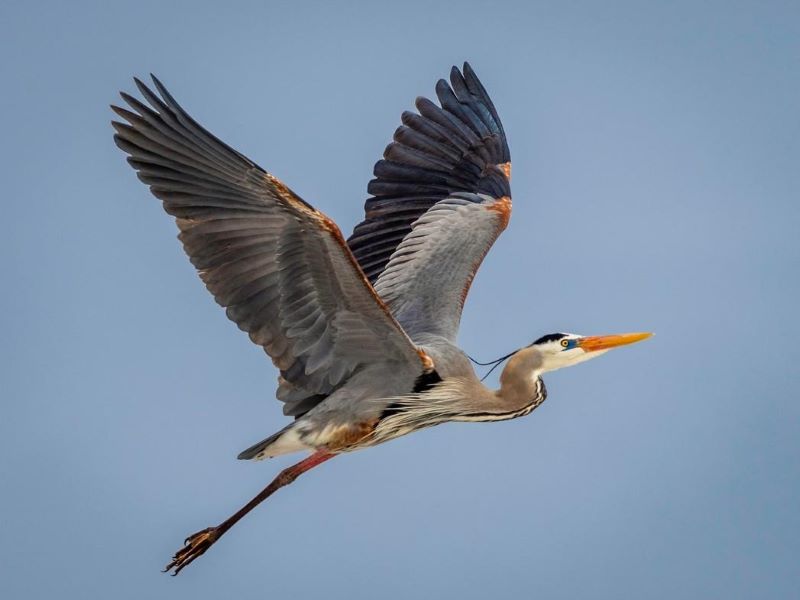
198 543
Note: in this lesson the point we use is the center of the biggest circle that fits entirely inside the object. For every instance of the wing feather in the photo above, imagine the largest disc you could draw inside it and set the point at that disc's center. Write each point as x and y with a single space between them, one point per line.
456 147
427 279
440 197
280 268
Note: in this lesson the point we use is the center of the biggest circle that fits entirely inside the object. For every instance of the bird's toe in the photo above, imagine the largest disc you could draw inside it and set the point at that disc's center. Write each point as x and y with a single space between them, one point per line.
195 545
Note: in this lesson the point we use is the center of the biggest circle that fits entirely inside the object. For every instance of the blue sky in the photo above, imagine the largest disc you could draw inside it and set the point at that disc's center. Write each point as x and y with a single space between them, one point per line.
656 184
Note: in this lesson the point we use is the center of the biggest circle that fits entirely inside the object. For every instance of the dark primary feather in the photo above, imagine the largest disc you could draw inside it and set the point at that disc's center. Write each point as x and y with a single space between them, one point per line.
436 153
280 268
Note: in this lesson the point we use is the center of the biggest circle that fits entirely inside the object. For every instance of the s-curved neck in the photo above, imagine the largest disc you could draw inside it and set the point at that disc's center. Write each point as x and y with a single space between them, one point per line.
521 391
521 388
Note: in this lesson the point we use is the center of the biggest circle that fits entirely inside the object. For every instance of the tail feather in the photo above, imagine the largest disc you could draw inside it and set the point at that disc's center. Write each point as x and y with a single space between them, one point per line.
285 441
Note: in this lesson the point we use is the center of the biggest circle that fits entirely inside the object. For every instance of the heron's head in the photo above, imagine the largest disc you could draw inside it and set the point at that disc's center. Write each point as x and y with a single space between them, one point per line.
557 350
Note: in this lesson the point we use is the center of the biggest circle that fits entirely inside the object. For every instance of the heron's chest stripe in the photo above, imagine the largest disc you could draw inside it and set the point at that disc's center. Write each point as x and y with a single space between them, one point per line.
493 416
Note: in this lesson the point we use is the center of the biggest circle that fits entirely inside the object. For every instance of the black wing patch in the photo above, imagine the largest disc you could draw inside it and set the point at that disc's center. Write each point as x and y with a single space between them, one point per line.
458 147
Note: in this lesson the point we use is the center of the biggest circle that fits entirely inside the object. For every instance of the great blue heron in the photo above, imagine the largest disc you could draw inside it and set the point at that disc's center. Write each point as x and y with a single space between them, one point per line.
363 331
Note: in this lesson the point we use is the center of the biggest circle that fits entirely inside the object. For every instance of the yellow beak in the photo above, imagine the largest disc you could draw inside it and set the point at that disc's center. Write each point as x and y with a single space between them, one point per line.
605 342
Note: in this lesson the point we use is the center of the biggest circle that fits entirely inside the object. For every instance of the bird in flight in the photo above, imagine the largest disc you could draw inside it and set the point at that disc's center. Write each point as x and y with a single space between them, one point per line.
363 330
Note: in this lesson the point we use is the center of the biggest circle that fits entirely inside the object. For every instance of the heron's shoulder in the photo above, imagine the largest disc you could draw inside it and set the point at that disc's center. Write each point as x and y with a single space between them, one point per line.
448 359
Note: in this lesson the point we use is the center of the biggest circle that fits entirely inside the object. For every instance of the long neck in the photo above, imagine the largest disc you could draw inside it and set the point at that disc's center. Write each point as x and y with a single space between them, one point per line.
521 390
520 385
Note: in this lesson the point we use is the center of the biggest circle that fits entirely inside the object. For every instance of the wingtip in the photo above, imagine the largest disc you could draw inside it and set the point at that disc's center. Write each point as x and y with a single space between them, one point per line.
442 84
165 95
119 142
118 126
120 112
145 89
141 86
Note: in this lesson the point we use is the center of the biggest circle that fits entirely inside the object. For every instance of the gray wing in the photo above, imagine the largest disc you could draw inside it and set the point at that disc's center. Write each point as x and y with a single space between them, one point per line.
280 268
428 277
460 147
441 197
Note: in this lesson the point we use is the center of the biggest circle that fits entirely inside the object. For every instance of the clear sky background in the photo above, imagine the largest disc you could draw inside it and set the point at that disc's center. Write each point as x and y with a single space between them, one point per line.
656 150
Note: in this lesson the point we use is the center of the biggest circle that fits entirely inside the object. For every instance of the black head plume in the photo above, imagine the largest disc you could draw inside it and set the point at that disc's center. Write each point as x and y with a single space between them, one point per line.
550 337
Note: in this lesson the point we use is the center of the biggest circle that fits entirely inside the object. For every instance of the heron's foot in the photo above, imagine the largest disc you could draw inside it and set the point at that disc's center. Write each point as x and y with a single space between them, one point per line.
194 546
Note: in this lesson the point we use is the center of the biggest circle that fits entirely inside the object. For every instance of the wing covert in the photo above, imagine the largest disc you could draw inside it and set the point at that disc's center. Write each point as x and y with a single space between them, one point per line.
428 277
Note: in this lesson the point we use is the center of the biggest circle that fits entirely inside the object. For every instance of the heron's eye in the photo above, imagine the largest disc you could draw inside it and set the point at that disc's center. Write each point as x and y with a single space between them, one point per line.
565 343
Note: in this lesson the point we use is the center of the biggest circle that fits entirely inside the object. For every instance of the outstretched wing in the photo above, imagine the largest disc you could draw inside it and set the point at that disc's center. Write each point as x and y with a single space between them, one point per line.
280 268
446 175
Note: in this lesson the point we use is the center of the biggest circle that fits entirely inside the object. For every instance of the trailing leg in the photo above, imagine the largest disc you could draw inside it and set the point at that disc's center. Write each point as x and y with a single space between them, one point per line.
197 543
